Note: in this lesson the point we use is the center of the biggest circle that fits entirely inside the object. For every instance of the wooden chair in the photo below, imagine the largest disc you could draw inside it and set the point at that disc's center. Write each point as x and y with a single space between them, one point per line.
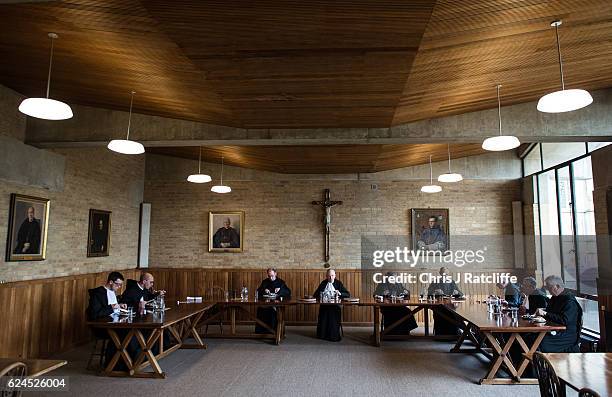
550 386
15 369
586 392
214 294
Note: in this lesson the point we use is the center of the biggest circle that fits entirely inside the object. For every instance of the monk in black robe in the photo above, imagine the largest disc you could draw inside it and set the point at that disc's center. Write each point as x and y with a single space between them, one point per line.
28 236
330 316
226 236
534 298
442 326
564 309
393 314
267 314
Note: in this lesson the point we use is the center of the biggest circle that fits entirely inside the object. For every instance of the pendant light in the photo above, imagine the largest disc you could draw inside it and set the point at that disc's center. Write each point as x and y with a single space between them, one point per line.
449 177
221 188
431 188
500 142
564 100
125 146
199 177
46 108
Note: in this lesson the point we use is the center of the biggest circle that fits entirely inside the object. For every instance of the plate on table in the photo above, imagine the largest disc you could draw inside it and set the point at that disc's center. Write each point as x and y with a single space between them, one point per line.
528 316
539 320
350 300
269 296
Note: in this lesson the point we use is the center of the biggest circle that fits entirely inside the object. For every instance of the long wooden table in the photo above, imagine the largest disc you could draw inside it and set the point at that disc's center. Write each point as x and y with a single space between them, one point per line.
36 367
580 370
500 333
277 333
180 321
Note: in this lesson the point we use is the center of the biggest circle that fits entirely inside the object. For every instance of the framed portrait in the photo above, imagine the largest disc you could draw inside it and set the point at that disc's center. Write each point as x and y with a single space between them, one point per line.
430 229
225 231
98 236
27 228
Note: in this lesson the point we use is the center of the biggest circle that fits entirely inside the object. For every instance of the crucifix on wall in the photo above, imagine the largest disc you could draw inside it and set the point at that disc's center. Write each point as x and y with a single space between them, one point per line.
327 204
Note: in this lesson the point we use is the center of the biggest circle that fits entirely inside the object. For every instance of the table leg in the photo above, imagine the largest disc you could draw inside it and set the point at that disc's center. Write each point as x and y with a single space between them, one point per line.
426 320
120 353
377 325
279 326
233 320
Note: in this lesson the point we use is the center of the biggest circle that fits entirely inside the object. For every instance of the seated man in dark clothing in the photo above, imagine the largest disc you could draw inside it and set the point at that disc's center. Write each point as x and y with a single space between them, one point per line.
140 291
137 294
533 297
267 314
393 314
511 293
330 316
442 326
103 304
564 309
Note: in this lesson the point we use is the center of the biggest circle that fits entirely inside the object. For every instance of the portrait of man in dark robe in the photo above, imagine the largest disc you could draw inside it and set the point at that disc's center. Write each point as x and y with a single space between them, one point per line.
99 233
28 236
27 228
226 236
430 229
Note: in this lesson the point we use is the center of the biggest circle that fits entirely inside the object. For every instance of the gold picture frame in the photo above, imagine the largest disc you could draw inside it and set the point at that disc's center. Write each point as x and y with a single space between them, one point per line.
99 233
27 228
223 237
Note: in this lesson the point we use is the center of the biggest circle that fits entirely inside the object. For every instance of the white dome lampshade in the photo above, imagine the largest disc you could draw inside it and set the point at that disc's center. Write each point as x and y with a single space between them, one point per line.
500 142
126 146
199 177
563 100
450 176
46 108
221 188
431 188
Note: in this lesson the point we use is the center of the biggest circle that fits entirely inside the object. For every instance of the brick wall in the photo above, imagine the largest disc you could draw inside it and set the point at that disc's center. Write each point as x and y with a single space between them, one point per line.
283 228
94 178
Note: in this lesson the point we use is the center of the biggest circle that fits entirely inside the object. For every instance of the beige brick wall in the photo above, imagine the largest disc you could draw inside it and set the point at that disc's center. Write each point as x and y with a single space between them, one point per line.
283 228
94 178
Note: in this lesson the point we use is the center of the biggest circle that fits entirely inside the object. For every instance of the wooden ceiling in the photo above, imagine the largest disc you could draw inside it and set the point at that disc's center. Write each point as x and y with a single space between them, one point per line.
304 63
331 159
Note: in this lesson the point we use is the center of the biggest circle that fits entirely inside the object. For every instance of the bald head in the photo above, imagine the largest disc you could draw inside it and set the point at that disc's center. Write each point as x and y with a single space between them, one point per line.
146 280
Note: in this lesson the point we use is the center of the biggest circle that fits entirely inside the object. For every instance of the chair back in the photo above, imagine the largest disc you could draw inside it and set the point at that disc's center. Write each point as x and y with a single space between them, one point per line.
586 392
550 386
215 294
15 369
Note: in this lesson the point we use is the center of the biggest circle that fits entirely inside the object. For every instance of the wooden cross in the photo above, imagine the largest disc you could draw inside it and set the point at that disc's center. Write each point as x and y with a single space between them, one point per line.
327 204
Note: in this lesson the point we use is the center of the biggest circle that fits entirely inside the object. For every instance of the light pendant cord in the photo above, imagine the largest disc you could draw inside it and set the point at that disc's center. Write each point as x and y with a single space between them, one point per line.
200 162
448 147
130 117
556 25
221 170
53 36
430 171
499 109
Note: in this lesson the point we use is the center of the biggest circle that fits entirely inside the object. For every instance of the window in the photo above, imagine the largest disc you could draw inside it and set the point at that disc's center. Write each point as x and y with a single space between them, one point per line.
596 145
559 152
565 218
532 162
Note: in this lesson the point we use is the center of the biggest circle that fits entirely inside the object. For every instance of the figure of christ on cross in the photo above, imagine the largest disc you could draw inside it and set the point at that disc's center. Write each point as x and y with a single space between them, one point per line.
327 204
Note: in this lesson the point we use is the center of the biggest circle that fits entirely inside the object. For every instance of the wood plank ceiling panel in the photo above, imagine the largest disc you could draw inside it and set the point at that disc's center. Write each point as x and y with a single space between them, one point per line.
330 159
469 47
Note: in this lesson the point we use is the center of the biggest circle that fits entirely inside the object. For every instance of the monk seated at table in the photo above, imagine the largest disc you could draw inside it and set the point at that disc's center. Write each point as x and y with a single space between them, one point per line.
271 286
137 294
445 287
391 315
564 309
103 304
330 316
